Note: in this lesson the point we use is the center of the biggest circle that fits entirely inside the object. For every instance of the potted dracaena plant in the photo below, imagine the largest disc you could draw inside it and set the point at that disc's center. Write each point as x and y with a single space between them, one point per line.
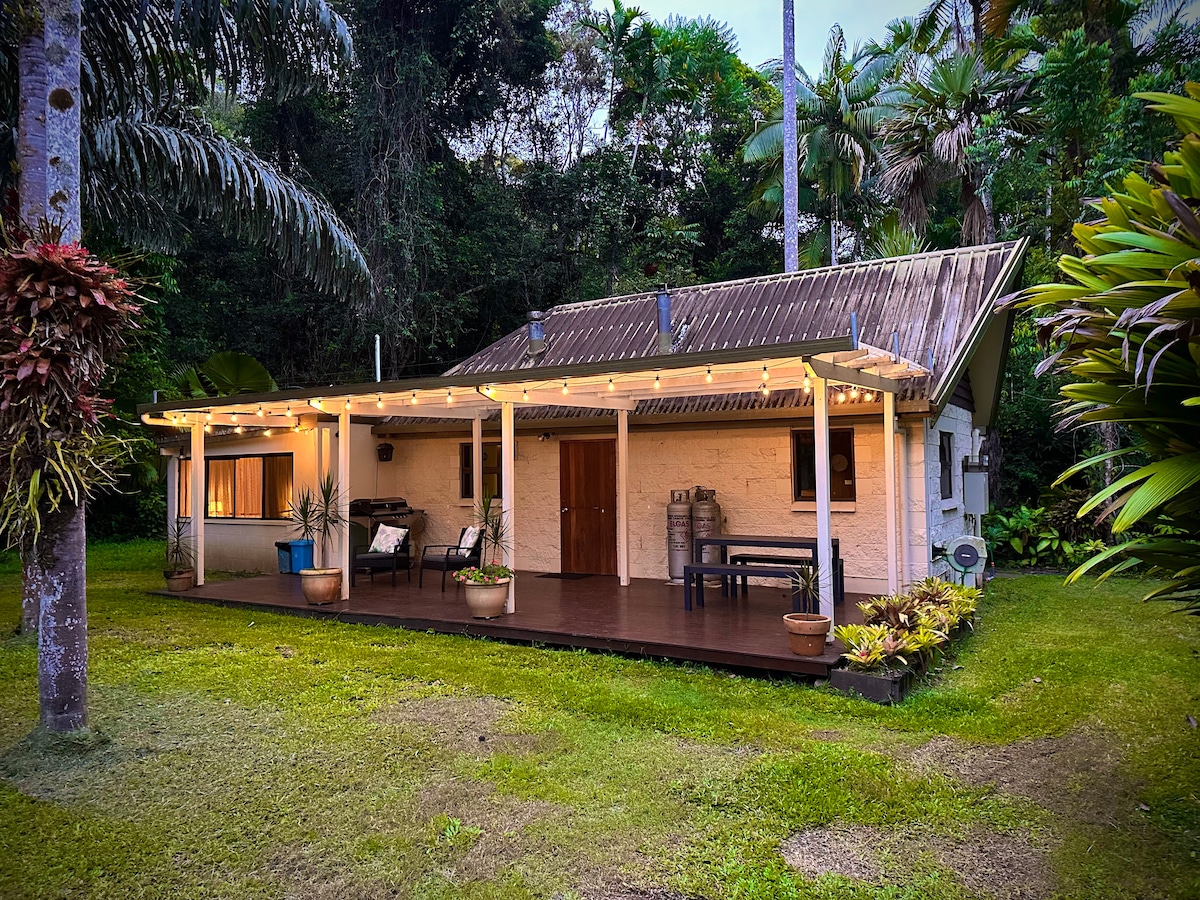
806 630
316 516
487 583
180 571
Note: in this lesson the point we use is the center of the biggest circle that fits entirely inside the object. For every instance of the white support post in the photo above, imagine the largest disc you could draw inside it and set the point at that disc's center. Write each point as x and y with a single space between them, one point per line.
199 500
824 523
623 496
905 525
343 495
508 458
477 458
889 479
173 464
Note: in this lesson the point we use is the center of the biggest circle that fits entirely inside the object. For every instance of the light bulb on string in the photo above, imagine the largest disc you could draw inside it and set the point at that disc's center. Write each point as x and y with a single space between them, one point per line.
414 398
449 397
841 397
868 396
259 411
379 402
765 390
233 418
610 385
853 393
657 383
288 412
766 374
807 383
525 395
347 403
564 388
708 375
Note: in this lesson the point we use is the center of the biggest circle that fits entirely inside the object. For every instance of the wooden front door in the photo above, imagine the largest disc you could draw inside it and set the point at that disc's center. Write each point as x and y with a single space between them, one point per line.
587 483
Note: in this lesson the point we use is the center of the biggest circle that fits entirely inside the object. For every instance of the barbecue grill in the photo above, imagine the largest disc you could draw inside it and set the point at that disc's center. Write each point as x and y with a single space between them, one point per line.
390 511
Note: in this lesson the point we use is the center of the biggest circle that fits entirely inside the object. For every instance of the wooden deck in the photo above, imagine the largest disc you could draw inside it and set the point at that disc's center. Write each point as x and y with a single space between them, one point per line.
646 618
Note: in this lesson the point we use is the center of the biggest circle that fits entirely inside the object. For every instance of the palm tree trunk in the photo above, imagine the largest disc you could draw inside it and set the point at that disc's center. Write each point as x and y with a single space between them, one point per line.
791 175
55 595
56 571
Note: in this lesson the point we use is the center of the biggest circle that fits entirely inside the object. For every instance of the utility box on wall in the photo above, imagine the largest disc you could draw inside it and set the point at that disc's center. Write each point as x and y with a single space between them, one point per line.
975 489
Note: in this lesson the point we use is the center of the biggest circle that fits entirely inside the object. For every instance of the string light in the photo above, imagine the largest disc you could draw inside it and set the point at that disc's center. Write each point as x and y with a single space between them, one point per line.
657 383
296 428
266 432
765 390
208 429
841 397
868 396
564 388
708 375
233 418
208 417
288 413
611 386
766 374
808 389
259 411
807 384
347 403
316 403
853 393
239 429
449 396
524 394
379 402
414 399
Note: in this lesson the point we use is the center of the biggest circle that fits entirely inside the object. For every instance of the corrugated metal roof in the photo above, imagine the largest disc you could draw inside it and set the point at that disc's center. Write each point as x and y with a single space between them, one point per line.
929 300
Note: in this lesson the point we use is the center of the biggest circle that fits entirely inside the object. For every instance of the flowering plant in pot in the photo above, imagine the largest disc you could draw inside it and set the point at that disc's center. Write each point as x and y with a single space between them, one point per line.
806 630
179 570
487 584
316 516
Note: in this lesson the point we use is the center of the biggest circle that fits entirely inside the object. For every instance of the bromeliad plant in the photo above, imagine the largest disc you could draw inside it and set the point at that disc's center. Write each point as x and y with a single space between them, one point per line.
495 539
907 630
1127 328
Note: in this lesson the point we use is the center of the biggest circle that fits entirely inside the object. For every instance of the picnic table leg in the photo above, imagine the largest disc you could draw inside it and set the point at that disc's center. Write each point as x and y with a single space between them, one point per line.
700 590
687 590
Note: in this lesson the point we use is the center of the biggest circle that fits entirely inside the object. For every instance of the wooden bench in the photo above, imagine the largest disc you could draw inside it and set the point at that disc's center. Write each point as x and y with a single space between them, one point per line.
695 572
752 561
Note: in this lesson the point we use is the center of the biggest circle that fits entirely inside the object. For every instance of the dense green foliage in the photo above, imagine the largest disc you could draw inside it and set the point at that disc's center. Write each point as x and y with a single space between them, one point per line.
247 754
1125 330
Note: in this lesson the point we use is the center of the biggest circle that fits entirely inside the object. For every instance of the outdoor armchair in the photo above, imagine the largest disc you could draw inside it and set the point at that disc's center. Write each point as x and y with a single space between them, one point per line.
450 557
372 559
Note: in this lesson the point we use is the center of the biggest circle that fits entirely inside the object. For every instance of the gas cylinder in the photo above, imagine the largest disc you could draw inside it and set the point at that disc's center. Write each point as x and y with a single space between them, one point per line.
706 520
679 534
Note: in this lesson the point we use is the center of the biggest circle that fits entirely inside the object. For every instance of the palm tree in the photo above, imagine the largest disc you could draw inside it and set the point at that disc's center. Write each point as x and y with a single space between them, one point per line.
105 100
148 154
614 32
839 115
929 140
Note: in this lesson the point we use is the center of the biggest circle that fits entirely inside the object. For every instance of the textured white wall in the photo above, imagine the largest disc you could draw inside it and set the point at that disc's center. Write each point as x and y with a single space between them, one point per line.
750 468
946 517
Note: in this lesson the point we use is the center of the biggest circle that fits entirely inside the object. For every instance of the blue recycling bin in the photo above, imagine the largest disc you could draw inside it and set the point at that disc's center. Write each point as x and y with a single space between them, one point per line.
302 555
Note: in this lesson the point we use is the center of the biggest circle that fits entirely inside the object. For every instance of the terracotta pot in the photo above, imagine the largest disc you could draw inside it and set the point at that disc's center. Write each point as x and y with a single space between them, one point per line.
321 586
181 580
487 601
806 633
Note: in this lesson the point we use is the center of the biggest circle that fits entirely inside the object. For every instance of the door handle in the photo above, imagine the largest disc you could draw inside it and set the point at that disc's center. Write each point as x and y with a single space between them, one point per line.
566 509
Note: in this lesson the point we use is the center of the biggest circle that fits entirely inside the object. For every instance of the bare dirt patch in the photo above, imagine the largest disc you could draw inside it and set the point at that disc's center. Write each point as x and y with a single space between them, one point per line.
1077 775
503 822
462 723
847 850
1003 866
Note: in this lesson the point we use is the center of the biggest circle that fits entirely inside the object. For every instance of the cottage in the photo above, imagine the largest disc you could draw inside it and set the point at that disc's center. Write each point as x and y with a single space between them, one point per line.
839 403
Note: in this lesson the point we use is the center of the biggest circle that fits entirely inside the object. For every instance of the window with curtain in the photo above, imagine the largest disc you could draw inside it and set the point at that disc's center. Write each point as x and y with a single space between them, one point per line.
841 465
242 487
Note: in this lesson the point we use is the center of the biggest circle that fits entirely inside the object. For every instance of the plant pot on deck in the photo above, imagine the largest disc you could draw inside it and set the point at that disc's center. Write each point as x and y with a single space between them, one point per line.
487 601
806 633
180 579
881 687
321 586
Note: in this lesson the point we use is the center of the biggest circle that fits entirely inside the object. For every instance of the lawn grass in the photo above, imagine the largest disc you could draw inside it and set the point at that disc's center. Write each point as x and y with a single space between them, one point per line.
246 754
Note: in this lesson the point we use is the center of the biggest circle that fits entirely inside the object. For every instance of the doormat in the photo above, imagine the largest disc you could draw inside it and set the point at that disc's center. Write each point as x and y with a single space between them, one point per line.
565 576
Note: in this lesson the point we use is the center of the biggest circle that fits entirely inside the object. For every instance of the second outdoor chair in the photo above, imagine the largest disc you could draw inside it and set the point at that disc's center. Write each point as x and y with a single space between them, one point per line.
452 557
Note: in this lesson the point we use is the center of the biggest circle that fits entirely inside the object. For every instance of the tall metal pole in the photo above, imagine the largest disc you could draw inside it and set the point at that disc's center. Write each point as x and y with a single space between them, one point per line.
791 212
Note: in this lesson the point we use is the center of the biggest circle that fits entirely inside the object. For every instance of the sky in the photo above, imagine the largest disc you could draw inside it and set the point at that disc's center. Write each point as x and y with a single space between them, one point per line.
759 23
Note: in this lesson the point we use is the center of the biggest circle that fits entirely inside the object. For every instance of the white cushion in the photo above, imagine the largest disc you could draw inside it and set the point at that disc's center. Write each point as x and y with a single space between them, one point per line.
467 542
387 539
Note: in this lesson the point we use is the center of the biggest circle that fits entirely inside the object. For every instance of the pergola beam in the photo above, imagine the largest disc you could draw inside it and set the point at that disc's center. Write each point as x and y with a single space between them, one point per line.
581 398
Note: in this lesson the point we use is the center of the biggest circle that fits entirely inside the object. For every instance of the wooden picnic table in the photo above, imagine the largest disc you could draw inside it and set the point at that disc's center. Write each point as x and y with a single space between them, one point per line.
776 542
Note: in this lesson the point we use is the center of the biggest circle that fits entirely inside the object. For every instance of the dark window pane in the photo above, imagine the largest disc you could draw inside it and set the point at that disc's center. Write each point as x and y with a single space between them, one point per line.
946 461
841 465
